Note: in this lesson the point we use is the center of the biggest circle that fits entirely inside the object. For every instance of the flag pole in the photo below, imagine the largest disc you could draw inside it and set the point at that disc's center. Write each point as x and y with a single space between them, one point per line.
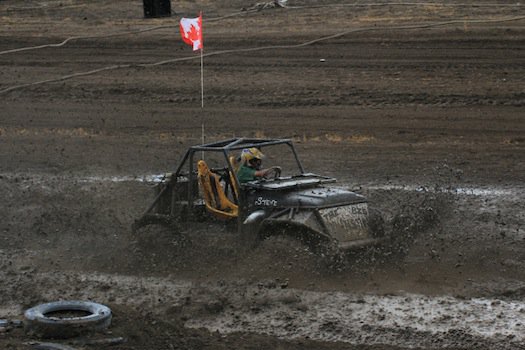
202 87
191 32
202 94
202 79
202 105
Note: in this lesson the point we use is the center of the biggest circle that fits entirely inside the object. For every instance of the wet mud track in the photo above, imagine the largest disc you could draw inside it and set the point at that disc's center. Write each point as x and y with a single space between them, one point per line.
427 122
206 278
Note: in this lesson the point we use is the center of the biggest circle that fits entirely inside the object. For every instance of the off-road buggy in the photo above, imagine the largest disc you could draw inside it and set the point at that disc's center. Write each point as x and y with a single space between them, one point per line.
297 203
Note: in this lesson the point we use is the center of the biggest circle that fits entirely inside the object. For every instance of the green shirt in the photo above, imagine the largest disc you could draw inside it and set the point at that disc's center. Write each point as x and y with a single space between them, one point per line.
245 174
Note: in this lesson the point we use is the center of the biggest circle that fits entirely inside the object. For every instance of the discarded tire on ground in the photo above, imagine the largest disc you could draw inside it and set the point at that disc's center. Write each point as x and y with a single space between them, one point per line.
40 322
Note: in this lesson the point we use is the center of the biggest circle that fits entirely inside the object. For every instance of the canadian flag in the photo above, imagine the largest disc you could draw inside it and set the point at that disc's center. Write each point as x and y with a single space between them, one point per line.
191 31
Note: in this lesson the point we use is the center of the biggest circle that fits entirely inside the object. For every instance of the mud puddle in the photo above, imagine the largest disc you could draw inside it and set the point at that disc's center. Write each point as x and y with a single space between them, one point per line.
270 308
66 231
405 320
506 192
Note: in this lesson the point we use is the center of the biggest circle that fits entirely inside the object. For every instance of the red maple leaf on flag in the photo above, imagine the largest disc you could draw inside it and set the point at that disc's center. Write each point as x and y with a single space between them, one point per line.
191 31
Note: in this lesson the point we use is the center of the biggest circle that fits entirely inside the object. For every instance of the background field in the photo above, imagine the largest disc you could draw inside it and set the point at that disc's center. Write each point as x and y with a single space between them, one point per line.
419 106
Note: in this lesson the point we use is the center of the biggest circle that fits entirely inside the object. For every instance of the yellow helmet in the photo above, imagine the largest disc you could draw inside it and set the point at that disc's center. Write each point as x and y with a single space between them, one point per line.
248 154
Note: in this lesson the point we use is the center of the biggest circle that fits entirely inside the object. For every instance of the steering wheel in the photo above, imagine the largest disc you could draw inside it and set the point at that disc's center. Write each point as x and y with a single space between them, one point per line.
276 170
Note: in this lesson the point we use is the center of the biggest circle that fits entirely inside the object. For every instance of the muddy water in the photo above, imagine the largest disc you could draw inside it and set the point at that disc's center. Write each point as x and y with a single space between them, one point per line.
404 319
438 294
346 317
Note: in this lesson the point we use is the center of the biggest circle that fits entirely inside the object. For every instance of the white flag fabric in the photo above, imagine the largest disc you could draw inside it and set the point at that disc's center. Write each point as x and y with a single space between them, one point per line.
191 31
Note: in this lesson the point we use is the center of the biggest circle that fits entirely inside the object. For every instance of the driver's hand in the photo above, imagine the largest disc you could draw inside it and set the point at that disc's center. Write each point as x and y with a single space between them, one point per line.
274 171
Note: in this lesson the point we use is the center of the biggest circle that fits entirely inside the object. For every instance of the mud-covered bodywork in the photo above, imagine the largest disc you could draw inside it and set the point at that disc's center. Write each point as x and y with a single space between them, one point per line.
309 201
305 204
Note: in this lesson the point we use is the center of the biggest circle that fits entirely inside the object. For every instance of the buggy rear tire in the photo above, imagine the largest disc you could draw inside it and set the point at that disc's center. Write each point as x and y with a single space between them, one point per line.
38 323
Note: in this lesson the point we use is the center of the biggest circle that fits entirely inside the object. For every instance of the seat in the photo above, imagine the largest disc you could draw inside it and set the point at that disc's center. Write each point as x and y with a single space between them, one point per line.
217 203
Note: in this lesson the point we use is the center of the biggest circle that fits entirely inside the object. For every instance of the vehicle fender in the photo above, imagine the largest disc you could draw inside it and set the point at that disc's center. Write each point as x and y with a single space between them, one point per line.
255 217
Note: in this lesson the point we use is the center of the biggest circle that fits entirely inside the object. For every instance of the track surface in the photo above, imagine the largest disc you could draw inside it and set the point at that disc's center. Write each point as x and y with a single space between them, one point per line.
421 120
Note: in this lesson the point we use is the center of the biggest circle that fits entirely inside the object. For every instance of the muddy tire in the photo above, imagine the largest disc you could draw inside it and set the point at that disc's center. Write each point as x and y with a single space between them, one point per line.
38 322
153 219
311 240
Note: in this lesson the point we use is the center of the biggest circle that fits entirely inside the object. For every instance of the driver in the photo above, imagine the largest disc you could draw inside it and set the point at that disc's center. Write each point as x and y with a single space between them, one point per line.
250 169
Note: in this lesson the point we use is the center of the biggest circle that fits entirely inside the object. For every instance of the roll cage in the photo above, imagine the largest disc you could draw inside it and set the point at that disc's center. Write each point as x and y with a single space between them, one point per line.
183 183
226 148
